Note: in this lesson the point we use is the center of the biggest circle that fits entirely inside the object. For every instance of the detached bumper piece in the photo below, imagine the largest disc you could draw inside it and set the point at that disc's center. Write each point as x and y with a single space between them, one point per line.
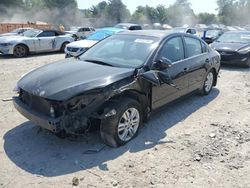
52 124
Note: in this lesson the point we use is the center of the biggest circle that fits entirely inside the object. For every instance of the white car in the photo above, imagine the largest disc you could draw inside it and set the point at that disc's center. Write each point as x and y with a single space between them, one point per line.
77 48
18 31
81 32
34 41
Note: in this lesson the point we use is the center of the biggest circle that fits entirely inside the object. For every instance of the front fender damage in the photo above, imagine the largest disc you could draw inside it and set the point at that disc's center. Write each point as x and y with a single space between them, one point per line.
89 109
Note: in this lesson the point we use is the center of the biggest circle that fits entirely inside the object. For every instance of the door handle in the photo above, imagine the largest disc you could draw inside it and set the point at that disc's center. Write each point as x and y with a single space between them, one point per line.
207 60
186 69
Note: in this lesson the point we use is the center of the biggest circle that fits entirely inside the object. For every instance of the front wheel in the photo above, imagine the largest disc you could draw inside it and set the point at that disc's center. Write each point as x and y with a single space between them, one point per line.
63 46
119 129
20 51
208 83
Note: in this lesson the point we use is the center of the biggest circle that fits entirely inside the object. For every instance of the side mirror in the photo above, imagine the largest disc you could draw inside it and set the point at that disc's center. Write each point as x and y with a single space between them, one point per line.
162 64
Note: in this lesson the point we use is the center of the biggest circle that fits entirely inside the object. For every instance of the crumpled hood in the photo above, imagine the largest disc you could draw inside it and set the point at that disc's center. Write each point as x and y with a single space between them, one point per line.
228 46
65 79
82 44
15 38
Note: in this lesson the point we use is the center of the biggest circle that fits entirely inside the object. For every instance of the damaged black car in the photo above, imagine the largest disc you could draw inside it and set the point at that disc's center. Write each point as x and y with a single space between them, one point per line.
117 83
234 48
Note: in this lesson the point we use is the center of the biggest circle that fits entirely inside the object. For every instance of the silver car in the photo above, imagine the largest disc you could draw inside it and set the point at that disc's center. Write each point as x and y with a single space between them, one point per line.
34 41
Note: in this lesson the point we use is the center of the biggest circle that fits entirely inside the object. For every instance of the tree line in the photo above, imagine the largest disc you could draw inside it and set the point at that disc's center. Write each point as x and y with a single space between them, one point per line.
110 12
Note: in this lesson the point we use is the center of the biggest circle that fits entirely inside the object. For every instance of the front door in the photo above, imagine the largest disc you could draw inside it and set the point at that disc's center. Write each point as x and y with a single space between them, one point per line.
45 41
173 49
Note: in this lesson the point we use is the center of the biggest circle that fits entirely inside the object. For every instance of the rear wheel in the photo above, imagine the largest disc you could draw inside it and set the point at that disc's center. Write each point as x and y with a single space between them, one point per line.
63 46
20 51
119 129
208 83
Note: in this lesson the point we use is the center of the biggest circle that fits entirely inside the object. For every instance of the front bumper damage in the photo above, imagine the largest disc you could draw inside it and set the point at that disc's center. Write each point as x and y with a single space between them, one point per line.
79 118
52 124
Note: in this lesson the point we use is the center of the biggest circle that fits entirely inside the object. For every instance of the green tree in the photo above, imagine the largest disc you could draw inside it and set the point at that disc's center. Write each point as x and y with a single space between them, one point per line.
207 18
117 12
226 11
181 13
51 4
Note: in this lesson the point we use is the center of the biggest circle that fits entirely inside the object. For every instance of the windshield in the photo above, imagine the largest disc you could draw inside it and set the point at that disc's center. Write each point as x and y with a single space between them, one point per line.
16 31
236 37
121 26
32 33
99 35
74 28
213 33
181 30
122 50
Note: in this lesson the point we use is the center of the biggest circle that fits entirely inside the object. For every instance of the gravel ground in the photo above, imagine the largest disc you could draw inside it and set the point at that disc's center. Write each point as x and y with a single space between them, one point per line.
195 142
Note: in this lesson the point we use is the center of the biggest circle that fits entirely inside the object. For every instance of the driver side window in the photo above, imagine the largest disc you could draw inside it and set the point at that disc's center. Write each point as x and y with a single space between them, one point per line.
47 34
173 49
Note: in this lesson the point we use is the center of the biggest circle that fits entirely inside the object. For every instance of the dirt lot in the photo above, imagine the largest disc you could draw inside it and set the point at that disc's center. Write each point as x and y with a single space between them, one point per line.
196 142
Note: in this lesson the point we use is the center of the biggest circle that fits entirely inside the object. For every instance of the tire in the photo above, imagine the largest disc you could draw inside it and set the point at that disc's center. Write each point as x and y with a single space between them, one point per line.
247 64
208 83
109 132
20 50
63 46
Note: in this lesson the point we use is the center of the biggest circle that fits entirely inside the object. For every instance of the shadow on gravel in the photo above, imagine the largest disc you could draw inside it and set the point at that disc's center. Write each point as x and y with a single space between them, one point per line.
41 153
30 55
235 68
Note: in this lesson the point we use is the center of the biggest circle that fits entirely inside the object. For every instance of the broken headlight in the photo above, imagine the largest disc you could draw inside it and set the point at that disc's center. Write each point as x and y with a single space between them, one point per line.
17 89
79 102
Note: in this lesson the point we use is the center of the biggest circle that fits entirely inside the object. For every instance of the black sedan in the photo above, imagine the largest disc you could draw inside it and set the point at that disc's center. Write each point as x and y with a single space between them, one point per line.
117 83
234 48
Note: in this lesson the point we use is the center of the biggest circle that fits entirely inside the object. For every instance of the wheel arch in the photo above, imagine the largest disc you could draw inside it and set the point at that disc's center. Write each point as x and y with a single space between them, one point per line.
142 98
213 69
23 44
64 43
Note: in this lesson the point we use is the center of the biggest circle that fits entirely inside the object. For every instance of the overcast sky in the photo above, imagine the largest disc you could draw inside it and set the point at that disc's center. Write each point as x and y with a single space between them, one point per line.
197 5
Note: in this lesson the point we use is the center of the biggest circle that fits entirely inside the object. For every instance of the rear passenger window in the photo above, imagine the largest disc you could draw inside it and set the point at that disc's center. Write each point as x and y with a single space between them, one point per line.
47 34
193 46
172 50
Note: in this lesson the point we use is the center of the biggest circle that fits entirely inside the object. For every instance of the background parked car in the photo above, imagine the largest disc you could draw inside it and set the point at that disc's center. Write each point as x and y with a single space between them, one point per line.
34 40
128 26
234 47
117 83
18 31
210 35
76 48
185 30
80 32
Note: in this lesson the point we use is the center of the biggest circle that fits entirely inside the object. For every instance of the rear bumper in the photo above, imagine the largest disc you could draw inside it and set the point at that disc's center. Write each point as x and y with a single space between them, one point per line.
52 124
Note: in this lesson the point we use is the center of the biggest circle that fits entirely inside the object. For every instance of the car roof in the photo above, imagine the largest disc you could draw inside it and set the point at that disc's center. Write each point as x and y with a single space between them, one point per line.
128 24
243 32
150 33
113 29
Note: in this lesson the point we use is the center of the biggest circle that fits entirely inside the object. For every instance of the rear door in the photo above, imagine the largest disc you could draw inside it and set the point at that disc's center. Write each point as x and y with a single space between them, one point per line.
197 56
173 50
46 41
